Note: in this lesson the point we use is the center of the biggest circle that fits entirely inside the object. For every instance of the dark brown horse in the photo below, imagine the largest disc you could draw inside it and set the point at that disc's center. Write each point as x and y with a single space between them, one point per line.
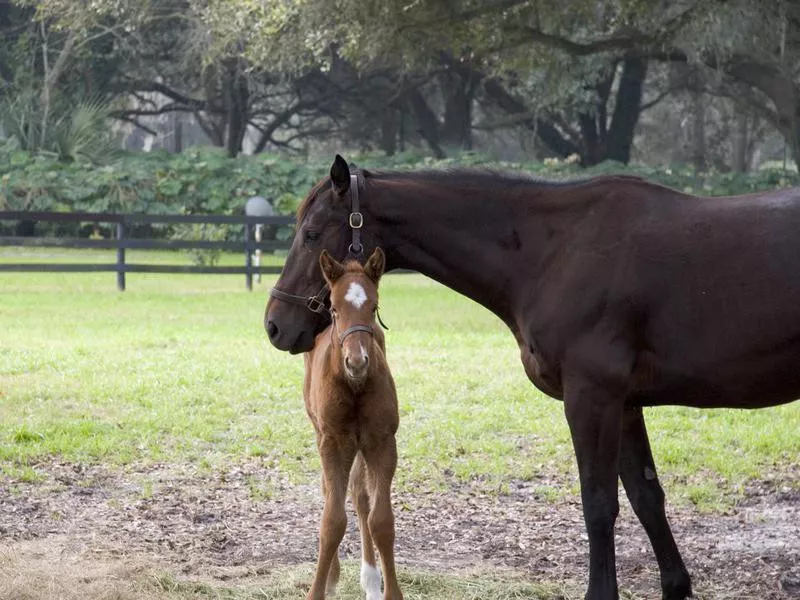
620 293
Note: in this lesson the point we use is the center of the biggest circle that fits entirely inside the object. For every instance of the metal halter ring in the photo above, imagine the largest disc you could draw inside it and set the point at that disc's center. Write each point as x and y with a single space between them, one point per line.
356 220
315 305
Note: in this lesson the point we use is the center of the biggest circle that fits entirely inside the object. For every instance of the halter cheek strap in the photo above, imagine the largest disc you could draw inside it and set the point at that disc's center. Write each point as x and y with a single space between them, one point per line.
316 303
356 219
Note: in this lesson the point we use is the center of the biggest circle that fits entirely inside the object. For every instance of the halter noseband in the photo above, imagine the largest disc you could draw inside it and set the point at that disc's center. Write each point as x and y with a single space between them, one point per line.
365 328
316 303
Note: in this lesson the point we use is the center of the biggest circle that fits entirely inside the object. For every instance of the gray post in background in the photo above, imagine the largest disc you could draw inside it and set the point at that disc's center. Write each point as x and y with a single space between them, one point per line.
248 256
255 207
120 257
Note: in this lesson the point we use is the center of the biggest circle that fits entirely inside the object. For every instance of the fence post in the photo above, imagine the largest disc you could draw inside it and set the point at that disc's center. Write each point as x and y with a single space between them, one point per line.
120 257
248 256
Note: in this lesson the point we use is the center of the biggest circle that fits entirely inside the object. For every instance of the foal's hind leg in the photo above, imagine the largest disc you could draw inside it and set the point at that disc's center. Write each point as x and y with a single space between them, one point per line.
381 459
337 458
638 473
370 575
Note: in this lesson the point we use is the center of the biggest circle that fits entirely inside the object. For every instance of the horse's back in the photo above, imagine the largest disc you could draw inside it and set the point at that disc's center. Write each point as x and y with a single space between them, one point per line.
717 302
704 291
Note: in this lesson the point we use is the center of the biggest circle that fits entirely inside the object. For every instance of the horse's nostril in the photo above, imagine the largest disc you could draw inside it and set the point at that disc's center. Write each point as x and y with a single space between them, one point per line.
272 330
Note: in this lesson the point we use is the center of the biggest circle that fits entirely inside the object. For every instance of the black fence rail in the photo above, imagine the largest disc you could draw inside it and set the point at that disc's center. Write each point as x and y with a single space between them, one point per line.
121 242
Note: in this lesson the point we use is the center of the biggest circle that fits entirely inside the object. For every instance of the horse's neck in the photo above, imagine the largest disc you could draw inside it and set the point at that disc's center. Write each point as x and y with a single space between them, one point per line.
470 243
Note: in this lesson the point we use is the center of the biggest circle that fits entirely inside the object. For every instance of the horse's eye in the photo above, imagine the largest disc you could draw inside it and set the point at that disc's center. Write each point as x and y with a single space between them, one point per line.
312 236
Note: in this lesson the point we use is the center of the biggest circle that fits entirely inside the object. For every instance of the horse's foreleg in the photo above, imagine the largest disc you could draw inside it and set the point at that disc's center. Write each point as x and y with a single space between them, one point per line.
337 458
381 462
594 413
370 575
335 569
638 473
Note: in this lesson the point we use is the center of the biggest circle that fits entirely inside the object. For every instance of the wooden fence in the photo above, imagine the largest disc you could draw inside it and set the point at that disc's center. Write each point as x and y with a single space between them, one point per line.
122 241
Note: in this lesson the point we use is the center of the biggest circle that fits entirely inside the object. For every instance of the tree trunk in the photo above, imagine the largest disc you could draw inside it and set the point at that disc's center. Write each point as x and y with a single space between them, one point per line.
236 94
427 121
389 130
780 88
593 146
627 108
698 131
458 93
545 131
740 142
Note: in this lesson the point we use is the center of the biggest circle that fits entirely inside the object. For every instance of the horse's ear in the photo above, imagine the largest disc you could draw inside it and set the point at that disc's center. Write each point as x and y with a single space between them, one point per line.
375 265
340 175
331 269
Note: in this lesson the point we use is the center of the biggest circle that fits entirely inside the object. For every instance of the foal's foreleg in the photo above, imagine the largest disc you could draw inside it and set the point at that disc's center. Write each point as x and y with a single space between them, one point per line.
381 461
370 575
337 458
638 473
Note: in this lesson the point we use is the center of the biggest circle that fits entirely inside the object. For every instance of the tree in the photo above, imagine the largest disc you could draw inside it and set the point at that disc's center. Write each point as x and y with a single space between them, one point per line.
490 49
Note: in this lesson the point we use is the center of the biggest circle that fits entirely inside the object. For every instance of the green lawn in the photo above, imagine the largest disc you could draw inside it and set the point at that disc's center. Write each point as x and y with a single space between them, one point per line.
178 370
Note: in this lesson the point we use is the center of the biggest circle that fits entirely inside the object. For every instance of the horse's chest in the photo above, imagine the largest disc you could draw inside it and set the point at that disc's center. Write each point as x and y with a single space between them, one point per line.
342 413
544 373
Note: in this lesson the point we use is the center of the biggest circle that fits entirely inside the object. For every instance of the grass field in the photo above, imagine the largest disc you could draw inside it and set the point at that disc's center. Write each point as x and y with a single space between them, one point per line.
177 370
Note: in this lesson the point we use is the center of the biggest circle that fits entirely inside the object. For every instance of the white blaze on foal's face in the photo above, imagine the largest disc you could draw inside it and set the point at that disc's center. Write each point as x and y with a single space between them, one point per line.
356 295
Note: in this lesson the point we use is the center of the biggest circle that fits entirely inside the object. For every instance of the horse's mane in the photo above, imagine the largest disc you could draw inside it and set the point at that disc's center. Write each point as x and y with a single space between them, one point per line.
475 177
309 199
463 177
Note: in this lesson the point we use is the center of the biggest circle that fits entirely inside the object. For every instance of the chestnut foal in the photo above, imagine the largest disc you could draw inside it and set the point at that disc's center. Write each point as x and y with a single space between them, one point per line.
351 400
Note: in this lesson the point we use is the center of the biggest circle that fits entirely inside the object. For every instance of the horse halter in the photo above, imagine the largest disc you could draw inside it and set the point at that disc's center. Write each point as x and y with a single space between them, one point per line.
316 303
355 328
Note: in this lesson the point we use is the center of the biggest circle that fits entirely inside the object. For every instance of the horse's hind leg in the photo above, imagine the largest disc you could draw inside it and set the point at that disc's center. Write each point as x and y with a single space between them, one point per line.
337 458
381 462
638 473
370 575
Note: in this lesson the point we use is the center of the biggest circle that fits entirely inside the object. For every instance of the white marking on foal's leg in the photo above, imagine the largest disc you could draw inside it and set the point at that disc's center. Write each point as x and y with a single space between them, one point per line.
356 294
371 581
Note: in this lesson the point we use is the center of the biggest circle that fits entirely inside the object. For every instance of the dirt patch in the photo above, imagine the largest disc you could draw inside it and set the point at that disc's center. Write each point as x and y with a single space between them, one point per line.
248 520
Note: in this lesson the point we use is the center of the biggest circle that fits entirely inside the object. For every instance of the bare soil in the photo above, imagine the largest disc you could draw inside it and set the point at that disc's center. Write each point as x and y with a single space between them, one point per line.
88 526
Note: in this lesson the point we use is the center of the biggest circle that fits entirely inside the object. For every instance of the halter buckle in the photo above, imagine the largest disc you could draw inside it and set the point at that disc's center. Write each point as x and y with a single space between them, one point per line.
356 220
315 305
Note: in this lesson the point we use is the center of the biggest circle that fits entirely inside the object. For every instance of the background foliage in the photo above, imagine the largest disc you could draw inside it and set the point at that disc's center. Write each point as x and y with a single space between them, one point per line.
206 180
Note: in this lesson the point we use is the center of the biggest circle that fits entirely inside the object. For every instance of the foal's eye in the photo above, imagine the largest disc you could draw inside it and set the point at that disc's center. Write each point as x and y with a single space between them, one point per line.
312 236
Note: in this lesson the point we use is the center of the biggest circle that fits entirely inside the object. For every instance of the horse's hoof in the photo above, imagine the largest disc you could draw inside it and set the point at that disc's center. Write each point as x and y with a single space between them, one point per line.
677 590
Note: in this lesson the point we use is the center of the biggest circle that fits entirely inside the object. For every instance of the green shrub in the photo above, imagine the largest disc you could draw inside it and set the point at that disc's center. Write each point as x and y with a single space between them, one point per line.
206 180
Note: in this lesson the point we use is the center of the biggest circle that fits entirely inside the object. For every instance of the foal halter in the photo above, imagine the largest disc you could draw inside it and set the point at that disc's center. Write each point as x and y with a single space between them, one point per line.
365 328
316 303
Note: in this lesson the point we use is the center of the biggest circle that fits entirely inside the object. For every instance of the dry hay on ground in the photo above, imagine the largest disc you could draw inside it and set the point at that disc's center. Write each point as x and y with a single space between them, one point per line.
92 533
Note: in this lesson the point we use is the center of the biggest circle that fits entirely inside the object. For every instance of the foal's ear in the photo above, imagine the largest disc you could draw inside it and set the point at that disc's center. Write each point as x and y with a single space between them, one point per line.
331 269
340 175
375 265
